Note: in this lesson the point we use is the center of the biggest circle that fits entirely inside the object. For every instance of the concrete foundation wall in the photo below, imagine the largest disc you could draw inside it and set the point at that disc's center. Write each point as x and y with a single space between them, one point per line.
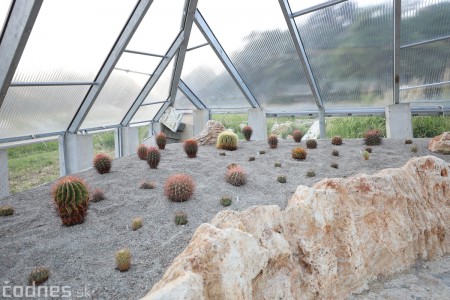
201 117
4 176
76 153
257 120
129 137
398 121
189 130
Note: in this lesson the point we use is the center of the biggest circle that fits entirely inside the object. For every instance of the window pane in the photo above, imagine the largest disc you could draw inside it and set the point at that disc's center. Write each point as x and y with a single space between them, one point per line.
196 38
146 113
182 102
297 5
160 92
138 63
432 94
4 10
71 39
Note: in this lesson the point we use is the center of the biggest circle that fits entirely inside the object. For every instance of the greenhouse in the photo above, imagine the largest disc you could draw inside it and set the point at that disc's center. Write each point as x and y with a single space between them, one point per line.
72 71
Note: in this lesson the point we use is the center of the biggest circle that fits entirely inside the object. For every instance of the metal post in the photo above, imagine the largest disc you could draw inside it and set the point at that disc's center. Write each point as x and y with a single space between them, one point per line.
396 71
190 95
322 124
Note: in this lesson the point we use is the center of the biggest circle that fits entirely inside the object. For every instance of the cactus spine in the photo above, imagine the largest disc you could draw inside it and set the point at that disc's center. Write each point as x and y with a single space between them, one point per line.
72 199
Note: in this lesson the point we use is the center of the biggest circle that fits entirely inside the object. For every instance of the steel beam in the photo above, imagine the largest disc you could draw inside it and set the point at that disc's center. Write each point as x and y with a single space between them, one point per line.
18 25
196 47
301 51
442 38
134 72
425 85
222 55
51 83
191 96
144 53
114 56
152 81
316 7
396 71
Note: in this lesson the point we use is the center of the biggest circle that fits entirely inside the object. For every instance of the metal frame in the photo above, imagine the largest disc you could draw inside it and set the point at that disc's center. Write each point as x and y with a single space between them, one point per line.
196 47
131 71
315 7
113 57
191 96
442 38
396 70
222 55
152 81
17 30
143 53
425 85
51 83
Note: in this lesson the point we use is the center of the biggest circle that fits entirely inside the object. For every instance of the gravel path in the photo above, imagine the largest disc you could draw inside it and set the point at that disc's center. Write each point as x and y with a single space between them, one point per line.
82 256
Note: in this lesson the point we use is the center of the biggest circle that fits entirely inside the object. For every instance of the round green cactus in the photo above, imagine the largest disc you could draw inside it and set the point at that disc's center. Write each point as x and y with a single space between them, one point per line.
6 210
227 140
38 276
72 199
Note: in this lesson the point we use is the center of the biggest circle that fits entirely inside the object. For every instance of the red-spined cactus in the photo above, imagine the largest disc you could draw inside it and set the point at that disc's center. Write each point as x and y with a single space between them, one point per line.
191 148
272 141
179 187
102 163
299 153
161 140
142 151
153 157
236 176
372 137
336 140
71 196
247 132
311 144
297 135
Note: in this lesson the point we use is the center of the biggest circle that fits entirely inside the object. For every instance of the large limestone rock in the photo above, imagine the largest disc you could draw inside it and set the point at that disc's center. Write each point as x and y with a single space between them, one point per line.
331 240
209 134
440 143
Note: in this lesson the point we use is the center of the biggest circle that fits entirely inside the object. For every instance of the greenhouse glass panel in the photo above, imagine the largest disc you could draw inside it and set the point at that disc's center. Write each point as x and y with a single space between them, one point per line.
4 10
297 5
146 113
350 49
159 27
209 80
38 110
182 102
160 92
115 99
196 38
138 63
424 20
260 46
71 39
426 95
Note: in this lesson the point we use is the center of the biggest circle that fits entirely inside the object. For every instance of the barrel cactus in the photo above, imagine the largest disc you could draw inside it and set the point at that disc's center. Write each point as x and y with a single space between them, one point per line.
38 276
272 140
136 223
123 259
153 157
179 187
236 176
181 218
191 148
247 132
102 163
161 140
299 153
281 179
142 151
336 140
225 201
297 135
227 140
71 196
6 210
372 137
311 144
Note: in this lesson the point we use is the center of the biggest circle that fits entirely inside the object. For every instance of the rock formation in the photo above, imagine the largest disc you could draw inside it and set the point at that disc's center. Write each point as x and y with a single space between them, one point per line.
209 134
440 143
331 240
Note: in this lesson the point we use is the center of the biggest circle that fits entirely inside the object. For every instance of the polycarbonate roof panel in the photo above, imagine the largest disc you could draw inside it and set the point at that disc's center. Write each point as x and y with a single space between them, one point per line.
4 10
424 20
160 92
427 63
196 38
146 113
297 5
350 49
182 102
159 27
71 39
38 110
426 95
138 63
115 99
209 80
260 46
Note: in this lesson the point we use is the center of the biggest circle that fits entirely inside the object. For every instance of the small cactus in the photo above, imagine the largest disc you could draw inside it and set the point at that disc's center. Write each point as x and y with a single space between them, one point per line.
335 152
153 157
311 144
161 141
408 142
336 140
180 218
142 151
222 154
147 185
251 158
299 153
365 155
310 173
38 276
414 149
272 141
6 210
227 140
262 152
123 259
247 132
281 179
72 199
232 165
179 187
236 176
372 137
297 136
277 165
225 201
136 223
98 195
368 149
191 148
334 165
102 163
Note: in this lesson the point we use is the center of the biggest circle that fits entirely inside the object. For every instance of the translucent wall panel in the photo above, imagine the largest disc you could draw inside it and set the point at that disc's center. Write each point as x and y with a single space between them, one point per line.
297 5
260 46
182 102
424 20
350 49
196 38
426 95
37 110
115 99
159 28
146 113
71 39
138 63
207 78
4 10
160 92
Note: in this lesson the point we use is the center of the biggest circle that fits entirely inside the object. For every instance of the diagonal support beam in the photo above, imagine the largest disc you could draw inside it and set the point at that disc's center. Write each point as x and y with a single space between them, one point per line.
114 56
396 70
300 51
221 54
152 81
316 7
17 30
191 96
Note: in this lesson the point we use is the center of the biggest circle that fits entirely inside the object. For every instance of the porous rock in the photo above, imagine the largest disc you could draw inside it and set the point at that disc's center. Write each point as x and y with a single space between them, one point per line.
209 134
331 240
440 143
